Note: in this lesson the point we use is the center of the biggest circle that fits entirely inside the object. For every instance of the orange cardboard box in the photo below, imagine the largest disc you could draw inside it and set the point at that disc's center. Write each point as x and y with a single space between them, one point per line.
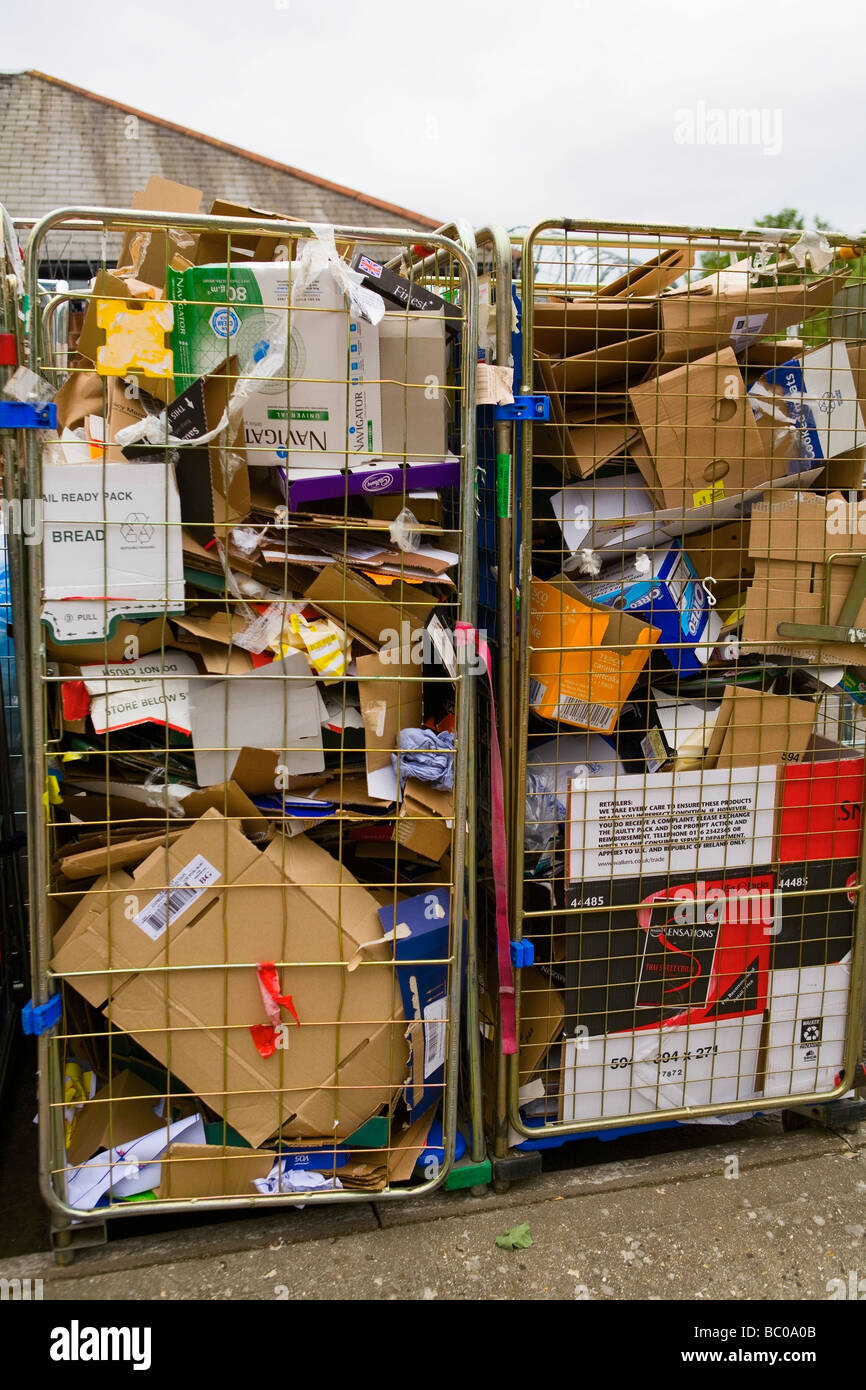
585 657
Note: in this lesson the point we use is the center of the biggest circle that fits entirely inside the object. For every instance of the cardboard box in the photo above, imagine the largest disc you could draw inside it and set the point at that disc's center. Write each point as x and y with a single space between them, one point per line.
408 294
666 986
413 366
820 396
726 310
425 820
109 522
193 1172
128 638
820 810
171 888
788 592
701 432
585 658
806 527
151 689
371 480
810 977
754 728
348 1057
670 822
325 409
424 989
671 597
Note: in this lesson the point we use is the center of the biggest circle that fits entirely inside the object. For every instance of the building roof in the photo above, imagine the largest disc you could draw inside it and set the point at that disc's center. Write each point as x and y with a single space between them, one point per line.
64 146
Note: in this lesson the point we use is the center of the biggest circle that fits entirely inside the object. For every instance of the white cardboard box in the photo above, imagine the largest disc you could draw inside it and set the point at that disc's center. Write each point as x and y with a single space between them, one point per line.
671 822
121 695
111 546
323 409
620 1074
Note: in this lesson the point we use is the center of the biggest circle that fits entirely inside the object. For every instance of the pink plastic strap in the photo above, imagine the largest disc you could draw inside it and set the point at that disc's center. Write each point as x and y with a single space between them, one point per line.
466 635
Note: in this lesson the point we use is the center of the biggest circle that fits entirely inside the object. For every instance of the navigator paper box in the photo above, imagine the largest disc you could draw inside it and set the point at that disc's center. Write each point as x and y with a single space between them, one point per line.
323 408
111 546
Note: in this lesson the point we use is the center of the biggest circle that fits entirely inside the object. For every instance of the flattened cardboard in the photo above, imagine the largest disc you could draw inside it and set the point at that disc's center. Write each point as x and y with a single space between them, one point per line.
542 1014
753 728
82 394
92 337
145 253
198 1171
100 936
569 328
88 863
806 527
653 275
277 705
365 609
701 432
294 902
122 1109
425 820
390 695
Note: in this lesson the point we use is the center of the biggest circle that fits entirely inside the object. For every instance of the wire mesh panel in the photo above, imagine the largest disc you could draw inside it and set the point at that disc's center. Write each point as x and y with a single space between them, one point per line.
690 736
253 596
14 966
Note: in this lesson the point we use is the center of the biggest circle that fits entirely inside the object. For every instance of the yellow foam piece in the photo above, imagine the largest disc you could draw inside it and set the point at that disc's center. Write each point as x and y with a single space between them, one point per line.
134 338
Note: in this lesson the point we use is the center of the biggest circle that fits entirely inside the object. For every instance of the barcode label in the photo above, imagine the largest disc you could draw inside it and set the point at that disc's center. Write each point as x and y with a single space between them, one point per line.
185 888
585 714
434 1036
537 692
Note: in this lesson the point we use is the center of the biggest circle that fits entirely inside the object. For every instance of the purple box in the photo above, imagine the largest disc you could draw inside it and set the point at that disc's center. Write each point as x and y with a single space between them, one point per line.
378 478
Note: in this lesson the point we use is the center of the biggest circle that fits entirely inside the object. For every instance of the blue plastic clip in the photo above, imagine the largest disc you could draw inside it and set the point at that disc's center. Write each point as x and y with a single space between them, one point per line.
522 953
37 1019
22 415
524 408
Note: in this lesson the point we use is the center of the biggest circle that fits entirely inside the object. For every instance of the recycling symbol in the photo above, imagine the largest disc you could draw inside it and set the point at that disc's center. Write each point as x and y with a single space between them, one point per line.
810 1031
136 529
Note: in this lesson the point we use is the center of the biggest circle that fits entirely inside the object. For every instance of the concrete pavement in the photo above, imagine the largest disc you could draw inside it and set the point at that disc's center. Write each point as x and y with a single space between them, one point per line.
754 1215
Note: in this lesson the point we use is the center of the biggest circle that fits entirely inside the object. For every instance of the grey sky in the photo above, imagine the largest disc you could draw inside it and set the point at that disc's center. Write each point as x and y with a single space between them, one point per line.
508 111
